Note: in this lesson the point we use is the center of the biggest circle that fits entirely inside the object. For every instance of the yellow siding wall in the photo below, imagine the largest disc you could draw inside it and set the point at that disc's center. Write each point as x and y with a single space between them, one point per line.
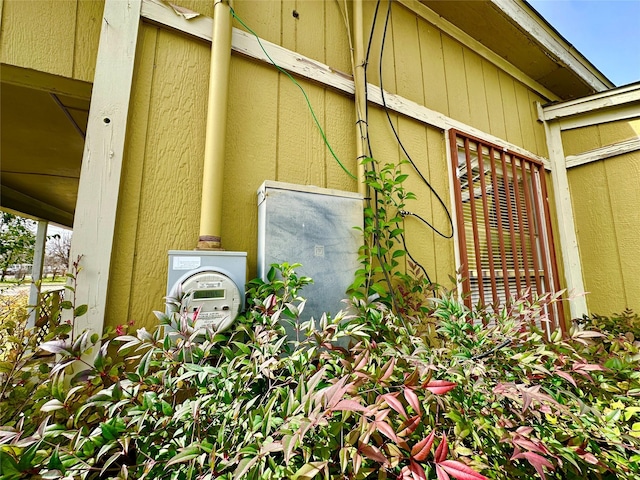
425 65
606 202
271 135
58 37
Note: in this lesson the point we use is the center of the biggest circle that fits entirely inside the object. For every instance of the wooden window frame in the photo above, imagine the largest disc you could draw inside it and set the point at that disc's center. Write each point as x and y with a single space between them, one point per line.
513 210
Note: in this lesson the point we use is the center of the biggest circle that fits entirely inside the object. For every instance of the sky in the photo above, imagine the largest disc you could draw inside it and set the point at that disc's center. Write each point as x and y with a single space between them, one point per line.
606 32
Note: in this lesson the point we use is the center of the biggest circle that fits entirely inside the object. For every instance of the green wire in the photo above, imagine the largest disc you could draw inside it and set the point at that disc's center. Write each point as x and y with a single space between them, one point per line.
315 119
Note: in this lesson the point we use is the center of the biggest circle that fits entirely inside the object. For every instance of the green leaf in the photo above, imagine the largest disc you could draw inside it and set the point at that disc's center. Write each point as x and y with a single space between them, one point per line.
185 455
80 310
52 405
54 462
166 409
379 289
26 458
309 470
66 305
8 466
108 431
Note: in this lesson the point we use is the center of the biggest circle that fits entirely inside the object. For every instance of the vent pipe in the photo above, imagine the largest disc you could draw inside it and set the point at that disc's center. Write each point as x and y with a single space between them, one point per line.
360 96
214 155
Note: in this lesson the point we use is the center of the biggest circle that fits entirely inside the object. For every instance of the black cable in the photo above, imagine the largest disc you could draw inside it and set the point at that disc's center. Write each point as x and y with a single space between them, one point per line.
381 258
386 110
406 213
372 165
404 243
492 351
366 81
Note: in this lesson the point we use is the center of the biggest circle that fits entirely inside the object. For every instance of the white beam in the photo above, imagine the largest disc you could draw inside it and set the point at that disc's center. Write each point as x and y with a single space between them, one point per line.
247 45
160 13
36 271
554 44
99 185
598 117
564 210
603 153
611 98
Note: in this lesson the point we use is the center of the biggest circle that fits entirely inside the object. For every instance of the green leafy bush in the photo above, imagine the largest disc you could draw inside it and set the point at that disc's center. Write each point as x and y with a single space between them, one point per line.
22 368
364 395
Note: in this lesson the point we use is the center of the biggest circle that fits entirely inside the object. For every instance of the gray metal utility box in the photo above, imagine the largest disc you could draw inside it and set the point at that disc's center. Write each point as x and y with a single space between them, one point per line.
315 227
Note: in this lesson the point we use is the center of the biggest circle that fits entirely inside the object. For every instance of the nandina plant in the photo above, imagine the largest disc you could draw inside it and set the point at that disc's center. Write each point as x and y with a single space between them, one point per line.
363 395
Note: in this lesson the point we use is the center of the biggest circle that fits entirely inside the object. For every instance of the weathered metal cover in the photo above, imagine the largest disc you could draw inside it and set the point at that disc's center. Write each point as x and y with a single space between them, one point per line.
315 227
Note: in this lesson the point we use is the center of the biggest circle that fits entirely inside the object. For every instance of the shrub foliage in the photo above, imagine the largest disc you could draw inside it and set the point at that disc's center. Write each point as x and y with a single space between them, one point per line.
429 392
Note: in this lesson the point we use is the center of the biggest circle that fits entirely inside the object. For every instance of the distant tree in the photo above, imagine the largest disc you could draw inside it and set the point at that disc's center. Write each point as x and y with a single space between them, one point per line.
57 253
16 242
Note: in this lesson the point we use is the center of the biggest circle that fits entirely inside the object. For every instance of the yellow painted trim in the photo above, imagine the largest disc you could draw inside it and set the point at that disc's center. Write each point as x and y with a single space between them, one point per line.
17 199
25 77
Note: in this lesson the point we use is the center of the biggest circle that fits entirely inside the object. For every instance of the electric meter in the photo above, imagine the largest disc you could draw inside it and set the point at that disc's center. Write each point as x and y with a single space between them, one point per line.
216 294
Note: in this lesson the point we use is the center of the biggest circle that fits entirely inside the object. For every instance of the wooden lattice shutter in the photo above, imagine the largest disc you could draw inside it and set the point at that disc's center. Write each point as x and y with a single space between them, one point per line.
504 228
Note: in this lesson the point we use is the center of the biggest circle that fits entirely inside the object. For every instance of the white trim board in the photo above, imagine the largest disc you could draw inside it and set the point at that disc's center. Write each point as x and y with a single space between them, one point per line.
553 43
245 44
598 117
99 186
611 98
566 223
603 153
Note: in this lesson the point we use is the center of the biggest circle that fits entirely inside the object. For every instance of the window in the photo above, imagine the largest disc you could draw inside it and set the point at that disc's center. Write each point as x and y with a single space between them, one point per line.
504 231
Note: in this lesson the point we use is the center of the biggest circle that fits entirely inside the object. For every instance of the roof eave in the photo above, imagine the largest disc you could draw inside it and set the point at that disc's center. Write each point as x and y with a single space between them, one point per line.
521 13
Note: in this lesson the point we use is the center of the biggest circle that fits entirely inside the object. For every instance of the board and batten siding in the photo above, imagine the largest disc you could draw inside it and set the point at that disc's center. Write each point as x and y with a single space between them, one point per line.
57 37
606 198
271 134
427 66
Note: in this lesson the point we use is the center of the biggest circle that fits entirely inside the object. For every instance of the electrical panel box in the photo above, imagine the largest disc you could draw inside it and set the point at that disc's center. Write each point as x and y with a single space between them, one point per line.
211 283
317 228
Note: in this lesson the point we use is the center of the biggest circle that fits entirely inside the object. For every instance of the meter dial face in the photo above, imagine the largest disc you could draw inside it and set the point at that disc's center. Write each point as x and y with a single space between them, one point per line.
214 296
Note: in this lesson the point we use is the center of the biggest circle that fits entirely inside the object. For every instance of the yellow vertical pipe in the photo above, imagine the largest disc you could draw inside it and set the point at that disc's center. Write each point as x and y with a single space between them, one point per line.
216 129
360 97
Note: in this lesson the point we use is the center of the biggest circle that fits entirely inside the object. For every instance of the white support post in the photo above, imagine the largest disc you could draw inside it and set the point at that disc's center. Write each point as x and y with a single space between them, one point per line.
567 233
36 271
95 216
